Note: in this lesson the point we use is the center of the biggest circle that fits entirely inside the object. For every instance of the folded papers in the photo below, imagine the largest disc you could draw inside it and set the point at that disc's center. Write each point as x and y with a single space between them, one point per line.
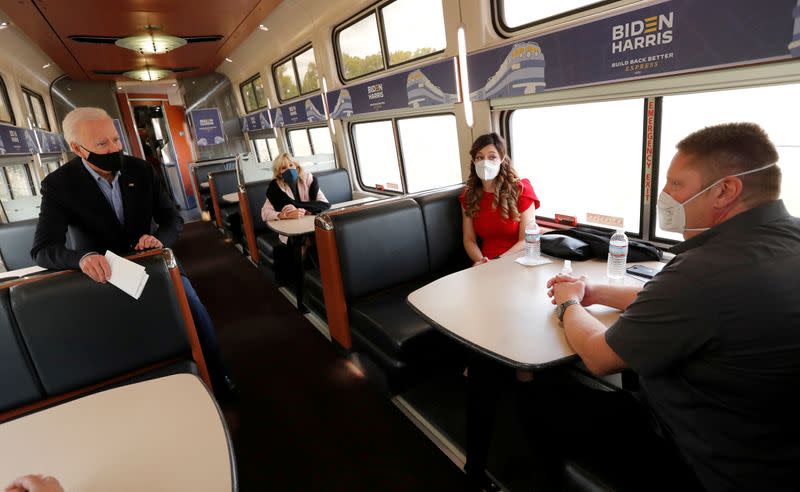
126 275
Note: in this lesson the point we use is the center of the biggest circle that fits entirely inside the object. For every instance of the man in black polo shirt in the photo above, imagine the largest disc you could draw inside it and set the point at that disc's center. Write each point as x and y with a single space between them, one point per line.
715 336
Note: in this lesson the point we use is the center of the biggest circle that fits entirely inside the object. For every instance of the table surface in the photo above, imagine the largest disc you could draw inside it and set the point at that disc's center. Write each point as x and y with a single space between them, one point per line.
161 434
231 197
305 225
204 185
501 309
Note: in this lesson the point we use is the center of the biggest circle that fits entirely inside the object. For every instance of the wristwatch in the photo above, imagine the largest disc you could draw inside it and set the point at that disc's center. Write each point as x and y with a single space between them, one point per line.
562 308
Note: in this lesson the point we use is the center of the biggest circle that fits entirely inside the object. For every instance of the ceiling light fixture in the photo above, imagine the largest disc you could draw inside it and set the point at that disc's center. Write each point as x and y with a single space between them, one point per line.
46 65
263 27
151 43
228 60
3 24
148 74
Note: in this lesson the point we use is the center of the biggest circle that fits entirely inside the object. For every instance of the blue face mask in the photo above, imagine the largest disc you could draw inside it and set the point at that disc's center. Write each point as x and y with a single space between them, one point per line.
289 176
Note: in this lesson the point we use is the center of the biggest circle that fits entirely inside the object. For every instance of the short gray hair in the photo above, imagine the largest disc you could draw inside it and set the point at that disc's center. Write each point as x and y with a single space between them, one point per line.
78 116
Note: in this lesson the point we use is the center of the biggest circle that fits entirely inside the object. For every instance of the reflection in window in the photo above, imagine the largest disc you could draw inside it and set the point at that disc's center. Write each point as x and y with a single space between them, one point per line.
307 71
601 176
6 114
423 18
360 48
321 140
518 13
298 139
19 180
684 114
429 147
284 77
258 90
377 161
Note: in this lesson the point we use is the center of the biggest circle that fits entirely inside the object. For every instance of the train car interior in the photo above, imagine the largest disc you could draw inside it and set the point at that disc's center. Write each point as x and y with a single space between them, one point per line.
317 300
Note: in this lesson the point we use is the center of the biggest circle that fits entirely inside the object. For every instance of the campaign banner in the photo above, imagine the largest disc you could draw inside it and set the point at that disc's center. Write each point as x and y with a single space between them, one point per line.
207 125
308 110
674 36
50 143
256 121
15 140
431 85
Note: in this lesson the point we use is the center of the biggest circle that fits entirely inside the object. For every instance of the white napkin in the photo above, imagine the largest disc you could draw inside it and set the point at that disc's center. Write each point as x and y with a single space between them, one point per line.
524 260
126 275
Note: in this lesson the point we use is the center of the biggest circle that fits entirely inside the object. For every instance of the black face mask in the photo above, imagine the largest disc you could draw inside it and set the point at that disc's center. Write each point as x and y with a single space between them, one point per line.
111 162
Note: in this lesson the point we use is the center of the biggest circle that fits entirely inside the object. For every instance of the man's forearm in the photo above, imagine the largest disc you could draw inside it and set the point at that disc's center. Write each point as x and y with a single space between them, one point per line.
586 336
616 296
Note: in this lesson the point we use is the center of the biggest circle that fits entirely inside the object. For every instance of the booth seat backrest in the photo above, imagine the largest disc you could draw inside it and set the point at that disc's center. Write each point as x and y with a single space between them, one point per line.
79 332
225 182
380 247
441 212
16 240
18 381
256 196
336 185
202 172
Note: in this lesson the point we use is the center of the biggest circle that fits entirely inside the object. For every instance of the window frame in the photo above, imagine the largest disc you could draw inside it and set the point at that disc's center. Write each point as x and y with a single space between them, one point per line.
251 82
506 32
27 95
292 57
7 100
397 148
376 9
28 172
307 129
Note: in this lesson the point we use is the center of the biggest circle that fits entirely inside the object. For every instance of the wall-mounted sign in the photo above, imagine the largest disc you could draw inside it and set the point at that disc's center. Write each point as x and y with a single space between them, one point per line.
431 85
256 121
50 143
674 36
15 140
207 125
308 110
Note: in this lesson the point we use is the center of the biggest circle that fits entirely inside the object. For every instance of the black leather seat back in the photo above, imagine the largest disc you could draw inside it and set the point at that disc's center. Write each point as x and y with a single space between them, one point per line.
336 185
380 247
79 332
256 196
442 214
225 182
202 172
16 240
18 382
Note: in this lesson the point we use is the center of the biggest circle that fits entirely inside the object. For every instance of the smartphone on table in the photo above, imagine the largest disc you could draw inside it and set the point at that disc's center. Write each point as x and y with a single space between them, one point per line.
641 271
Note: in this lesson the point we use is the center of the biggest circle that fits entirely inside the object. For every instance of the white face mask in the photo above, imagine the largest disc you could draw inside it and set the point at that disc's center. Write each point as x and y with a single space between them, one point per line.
672 214
487 170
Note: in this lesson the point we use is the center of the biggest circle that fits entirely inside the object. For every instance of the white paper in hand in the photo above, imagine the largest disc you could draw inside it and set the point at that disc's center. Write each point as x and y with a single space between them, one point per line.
126 275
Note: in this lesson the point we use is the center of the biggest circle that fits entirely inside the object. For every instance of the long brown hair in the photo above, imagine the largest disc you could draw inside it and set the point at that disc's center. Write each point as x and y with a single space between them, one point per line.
507 186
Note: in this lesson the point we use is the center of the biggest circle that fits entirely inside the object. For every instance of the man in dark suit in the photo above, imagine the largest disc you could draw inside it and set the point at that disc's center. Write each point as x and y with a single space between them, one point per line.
111 200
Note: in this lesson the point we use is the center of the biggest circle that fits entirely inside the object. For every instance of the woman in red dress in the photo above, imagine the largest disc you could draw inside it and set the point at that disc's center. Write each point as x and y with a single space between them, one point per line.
496 203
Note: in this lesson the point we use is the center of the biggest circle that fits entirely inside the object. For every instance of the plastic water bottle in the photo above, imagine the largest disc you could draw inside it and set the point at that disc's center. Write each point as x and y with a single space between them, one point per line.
533 240
617 255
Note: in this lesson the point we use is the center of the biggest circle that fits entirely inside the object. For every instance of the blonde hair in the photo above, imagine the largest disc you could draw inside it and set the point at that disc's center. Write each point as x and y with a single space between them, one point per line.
285 158
507 184
77 116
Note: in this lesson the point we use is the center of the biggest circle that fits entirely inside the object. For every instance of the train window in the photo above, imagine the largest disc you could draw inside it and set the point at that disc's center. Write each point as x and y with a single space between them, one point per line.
583 159
5 190
321 140
19 180
684 114
253 94
300 143
360 48
402 17
376 161
285 79
518 14
272 145
266 149
36 109
296 75
307 71
6 113
429 148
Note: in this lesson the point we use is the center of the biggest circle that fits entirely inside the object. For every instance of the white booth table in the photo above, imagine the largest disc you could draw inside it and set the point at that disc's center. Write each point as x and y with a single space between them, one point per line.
305 225
501 309
205 185
231 198
161 434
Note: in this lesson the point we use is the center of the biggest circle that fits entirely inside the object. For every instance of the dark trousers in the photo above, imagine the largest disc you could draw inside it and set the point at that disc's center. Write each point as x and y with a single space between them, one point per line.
612 434
208 338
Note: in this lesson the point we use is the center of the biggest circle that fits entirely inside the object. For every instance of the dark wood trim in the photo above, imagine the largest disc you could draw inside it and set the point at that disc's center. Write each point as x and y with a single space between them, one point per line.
247 225
191 330
54 400
213 189
332 288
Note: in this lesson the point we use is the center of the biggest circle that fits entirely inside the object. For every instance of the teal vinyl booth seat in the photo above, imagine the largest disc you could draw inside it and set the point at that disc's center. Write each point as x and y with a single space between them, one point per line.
63 335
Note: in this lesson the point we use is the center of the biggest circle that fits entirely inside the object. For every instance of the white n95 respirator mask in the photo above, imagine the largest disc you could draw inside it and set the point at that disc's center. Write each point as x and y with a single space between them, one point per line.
672 214
487 170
